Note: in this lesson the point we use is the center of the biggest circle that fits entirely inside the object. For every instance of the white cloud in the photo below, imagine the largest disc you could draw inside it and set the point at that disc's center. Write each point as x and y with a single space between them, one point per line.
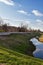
23 12
37 13
8 2
18 22
40 22
37 25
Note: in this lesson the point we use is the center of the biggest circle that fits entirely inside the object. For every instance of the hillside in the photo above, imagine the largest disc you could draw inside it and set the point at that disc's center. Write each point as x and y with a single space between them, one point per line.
9 57
18 42
16 49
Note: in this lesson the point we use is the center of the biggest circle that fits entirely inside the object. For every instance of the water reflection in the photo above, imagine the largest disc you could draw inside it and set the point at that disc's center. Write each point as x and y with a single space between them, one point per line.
39 48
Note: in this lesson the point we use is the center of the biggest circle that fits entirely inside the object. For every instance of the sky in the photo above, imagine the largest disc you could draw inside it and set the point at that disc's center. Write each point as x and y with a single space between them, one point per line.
28 12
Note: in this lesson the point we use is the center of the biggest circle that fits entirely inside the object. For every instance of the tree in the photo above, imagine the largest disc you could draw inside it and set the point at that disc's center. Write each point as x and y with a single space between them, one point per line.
23 27
5 28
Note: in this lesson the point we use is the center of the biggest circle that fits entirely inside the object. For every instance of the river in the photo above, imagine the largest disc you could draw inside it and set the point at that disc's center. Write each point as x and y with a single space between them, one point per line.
38 53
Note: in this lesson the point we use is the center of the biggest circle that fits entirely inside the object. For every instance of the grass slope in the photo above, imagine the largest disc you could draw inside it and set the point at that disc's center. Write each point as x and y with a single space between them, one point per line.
18 42
9 57
16 48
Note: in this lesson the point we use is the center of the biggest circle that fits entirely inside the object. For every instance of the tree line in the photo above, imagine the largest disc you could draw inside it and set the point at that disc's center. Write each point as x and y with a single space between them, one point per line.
22 28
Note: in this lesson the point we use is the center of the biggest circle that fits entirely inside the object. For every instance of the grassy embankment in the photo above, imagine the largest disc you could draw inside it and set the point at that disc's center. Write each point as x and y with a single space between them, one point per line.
9 57
16 49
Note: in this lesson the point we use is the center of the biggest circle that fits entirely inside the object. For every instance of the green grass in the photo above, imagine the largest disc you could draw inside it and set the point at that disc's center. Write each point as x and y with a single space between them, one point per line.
10 57
16 49
18 42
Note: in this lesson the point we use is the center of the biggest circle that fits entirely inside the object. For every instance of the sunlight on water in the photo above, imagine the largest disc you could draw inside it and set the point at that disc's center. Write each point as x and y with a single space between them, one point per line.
39 48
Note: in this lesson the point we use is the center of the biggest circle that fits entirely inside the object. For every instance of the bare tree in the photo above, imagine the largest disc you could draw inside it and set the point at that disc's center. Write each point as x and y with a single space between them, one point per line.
5 28
23 27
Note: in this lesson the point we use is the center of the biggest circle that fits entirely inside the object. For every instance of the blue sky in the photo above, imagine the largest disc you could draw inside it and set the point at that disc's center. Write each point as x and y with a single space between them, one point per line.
28 12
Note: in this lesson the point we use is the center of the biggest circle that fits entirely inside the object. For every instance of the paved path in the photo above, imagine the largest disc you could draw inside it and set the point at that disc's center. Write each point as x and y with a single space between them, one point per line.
8 33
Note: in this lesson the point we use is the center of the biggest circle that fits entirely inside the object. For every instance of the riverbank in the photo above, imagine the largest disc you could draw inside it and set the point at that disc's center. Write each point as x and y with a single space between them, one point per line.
18 42
41 38
14 47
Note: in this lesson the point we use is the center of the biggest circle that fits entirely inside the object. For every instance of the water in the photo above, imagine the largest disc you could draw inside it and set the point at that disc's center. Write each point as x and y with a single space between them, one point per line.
39 48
